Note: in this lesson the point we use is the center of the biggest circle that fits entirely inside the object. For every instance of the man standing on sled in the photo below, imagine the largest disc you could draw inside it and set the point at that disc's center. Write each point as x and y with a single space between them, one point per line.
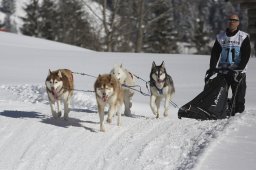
231 51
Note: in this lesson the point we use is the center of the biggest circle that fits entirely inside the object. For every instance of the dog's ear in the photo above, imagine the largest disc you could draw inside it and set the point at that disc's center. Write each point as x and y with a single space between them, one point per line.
49 72
99 76
153 64
121 65
163 65
59 74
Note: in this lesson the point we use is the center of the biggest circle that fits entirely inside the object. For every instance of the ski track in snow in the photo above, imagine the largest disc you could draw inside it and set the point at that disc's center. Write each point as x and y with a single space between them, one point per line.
142 142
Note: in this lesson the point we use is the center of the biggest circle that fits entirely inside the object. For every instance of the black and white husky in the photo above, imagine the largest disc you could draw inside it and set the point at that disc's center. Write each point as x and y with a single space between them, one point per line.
161 86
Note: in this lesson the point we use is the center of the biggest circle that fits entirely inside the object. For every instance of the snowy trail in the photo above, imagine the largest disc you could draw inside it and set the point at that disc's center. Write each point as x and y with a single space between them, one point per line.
31 139
35 140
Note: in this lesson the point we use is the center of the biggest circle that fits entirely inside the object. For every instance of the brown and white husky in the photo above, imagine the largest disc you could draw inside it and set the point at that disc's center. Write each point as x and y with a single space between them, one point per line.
108 92
59 87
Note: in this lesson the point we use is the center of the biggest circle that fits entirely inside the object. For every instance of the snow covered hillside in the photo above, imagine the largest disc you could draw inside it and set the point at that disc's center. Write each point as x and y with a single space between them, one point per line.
32 139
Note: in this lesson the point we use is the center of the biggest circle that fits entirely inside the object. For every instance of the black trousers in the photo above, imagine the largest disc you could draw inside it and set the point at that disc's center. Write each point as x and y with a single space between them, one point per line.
241 91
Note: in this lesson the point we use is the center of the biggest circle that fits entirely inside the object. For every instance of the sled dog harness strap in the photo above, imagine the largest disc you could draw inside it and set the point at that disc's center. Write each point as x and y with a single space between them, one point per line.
131 74
160 91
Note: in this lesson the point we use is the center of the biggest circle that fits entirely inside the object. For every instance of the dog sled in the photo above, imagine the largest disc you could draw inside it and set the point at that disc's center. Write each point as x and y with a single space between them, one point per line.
213 102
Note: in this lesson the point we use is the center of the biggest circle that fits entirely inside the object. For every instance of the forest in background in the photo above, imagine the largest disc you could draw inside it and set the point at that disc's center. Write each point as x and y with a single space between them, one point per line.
150 26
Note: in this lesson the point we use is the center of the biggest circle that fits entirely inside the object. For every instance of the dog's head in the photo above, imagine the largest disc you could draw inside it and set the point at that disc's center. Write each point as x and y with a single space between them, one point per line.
119 73
158 73
54 80
105 86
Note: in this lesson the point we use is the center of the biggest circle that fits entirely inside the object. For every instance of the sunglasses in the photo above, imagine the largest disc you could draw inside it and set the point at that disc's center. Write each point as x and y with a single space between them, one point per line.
233 20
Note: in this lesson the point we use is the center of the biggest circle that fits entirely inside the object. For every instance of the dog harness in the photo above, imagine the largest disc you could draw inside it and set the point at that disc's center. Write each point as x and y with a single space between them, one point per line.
153 84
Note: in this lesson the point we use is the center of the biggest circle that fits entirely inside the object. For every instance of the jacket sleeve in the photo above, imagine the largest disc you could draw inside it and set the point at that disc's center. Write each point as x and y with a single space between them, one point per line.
245 53
215 54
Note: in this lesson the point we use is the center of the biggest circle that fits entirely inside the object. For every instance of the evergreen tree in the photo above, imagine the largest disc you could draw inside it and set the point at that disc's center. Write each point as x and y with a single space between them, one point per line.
62 21
160 34
49 18
73 25
31 22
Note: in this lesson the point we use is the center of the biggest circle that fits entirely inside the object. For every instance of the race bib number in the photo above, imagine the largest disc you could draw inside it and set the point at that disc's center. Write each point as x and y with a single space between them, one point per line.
230 55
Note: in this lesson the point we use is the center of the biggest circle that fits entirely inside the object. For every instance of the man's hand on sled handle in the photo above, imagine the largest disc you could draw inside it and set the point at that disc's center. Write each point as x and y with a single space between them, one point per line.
209 74
237 75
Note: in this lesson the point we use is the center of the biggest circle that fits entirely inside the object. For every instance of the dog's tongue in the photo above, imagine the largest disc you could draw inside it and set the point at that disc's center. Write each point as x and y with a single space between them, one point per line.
104 98
54 93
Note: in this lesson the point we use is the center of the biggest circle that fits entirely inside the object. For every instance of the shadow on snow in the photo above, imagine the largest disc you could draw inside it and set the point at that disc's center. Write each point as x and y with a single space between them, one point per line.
21 114
70 122
60 122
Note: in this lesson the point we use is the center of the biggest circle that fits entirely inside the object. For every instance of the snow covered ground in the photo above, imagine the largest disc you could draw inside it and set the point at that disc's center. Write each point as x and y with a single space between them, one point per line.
31 139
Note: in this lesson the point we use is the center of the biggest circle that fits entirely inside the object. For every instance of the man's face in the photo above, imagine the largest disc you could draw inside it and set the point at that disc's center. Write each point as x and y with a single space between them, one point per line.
233 22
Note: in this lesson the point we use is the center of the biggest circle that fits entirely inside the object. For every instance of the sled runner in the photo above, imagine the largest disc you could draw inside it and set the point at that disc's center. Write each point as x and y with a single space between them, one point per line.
212 103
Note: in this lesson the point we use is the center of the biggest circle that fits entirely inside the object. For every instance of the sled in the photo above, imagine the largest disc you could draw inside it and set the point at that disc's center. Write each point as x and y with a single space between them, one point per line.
212 103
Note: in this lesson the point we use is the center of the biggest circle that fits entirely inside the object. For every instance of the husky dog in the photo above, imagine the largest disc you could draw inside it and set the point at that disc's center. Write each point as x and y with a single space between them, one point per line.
161 86
125 78
108 91
59 86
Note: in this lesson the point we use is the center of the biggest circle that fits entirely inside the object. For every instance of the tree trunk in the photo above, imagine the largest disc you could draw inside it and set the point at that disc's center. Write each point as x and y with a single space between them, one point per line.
140 30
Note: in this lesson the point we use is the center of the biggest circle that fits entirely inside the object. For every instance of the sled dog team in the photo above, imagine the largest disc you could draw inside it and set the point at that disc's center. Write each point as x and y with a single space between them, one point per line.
110 89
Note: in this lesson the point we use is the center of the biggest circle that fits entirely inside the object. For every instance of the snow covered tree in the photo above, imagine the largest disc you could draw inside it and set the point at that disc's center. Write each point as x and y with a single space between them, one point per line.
31 24
8 7
49 18
62 21
73 25
201 38
160 34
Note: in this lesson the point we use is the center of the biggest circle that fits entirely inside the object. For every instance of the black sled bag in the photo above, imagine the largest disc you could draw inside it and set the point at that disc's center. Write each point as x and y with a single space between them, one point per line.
210 104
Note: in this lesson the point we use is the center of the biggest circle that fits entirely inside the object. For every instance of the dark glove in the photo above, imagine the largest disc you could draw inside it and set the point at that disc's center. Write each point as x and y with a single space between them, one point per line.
208 74
238 76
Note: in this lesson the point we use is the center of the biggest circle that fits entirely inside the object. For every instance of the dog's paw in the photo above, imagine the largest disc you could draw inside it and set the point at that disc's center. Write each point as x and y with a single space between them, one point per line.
109 120
128 113
54 114
59 114
165 114
157 116
102 129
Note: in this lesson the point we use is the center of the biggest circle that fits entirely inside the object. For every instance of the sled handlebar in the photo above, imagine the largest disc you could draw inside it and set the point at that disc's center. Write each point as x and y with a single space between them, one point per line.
223 70
211 72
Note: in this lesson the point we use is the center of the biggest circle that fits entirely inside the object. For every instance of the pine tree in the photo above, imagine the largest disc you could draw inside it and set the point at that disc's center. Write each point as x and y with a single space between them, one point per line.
31 24
73 25
160 32
62 21
49 15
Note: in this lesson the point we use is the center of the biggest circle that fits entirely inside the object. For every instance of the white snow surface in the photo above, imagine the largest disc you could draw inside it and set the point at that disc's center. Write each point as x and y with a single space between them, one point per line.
31 139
